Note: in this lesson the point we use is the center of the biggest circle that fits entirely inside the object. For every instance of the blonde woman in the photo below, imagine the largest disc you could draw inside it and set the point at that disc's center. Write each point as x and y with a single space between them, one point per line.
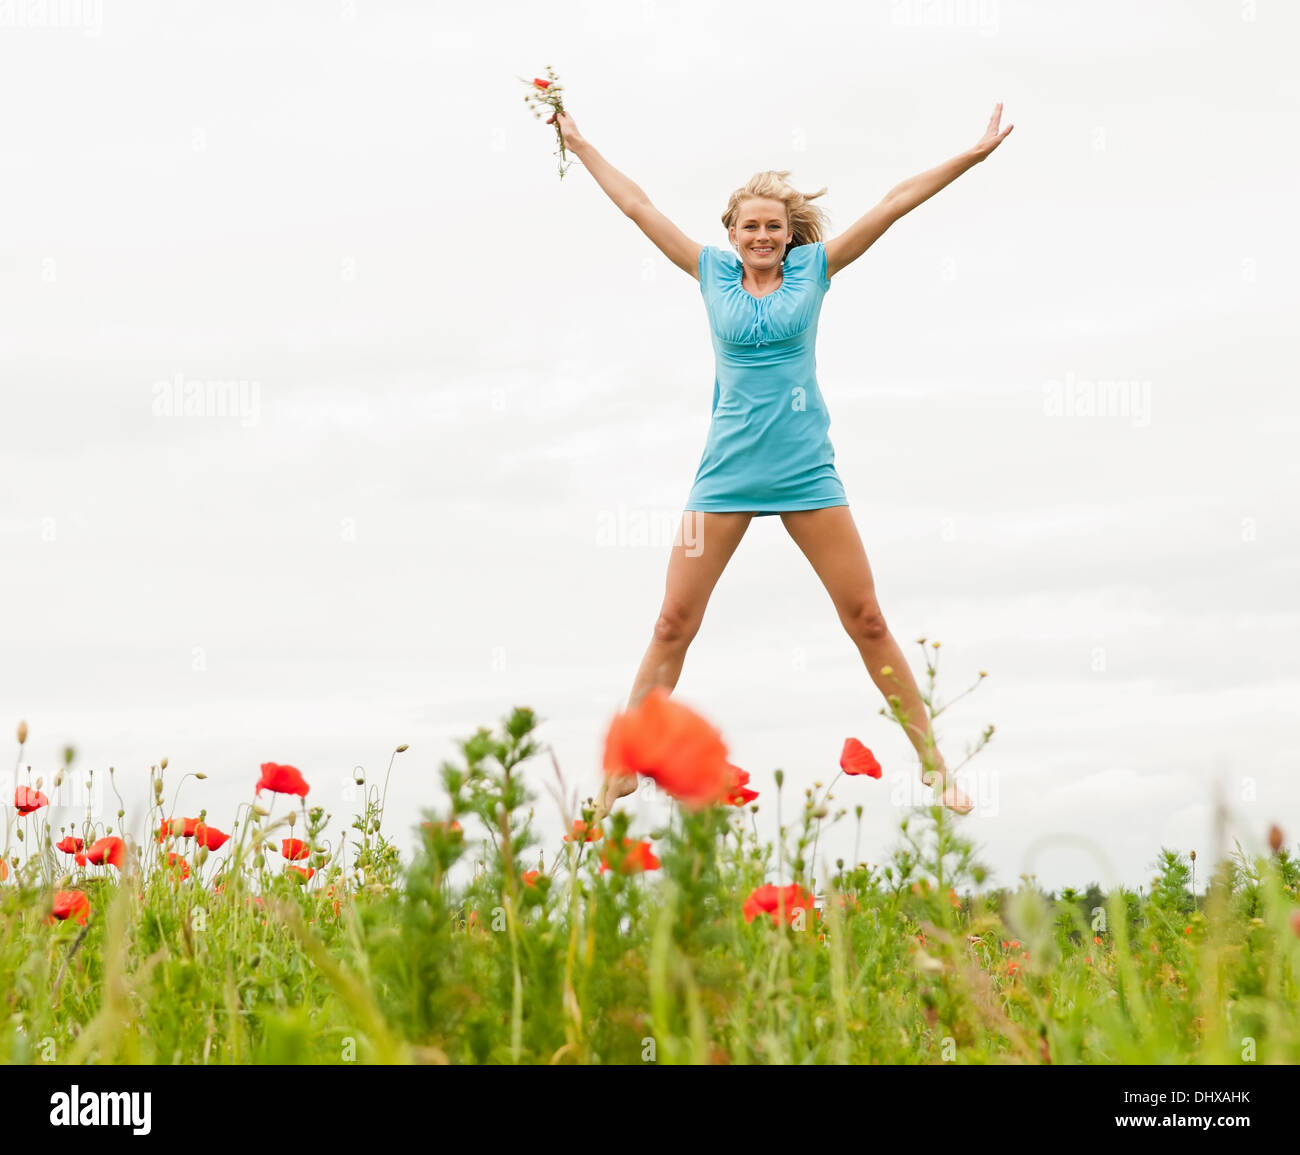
768 450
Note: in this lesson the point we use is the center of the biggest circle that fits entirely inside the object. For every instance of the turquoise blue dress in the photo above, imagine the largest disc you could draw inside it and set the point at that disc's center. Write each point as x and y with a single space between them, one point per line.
768 449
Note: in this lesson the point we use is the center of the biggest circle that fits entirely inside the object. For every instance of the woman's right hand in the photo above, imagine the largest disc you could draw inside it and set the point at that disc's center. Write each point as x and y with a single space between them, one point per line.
568 130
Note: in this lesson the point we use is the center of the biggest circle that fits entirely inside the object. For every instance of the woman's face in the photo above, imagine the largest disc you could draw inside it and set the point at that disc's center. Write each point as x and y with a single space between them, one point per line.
761 232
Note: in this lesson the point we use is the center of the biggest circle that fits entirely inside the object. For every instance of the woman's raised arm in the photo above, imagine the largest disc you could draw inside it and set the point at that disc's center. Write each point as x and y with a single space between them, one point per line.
632 200
903 198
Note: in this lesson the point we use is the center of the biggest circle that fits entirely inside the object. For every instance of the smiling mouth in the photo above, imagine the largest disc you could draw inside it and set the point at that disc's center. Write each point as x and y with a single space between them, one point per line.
766 250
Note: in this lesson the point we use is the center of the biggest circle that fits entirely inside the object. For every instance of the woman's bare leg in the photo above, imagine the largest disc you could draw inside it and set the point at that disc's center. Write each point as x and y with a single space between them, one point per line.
704 545
829 540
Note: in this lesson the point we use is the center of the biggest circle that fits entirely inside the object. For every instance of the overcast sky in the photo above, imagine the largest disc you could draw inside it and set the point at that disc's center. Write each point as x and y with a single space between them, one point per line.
474 395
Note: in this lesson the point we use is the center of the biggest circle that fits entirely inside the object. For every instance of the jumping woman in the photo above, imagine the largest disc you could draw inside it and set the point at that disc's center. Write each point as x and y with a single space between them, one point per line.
768 449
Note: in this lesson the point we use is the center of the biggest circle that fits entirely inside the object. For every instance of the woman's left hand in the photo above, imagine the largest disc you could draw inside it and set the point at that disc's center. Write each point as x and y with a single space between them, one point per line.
992 138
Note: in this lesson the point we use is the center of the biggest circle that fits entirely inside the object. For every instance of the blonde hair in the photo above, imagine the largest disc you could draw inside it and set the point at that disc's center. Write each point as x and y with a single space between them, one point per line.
808 222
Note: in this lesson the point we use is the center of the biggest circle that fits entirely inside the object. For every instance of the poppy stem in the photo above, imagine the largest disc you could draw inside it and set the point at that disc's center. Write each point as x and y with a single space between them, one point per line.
819 822
780 830
54 994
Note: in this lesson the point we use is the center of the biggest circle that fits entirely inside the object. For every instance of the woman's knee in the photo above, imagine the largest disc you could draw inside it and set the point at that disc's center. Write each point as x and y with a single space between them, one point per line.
865 623
675 626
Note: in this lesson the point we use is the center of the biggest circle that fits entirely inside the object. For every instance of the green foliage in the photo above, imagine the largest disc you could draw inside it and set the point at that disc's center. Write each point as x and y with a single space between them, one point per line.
482 949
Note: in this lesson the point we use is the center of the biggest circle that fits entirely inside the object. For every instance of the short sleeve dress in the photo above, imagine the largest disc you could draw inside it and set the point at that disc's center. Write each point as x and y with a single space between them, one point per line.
768 448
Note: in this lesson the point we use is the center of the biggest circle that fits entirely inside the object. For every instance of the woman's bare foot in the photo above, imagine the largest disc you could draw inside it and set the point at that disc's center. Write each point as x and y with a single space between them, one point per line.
953 796
616 786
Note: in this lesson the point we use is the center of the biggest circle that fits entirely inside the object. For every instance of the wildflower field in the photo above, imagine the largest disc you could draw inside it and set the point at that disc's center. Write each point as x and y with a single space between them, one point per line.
256 937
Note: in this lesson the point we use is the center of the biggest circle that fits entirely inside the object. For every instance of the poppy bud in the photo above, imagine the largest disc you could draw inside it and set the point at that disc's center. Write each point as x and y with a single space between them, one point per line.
162 764
1275 839
199 774
403 748
22 733
262 808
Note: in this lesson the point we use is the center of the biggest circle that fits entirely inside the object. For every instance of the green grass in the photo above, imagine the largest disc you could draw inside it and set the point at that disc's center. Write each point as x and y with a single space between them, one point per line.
453 957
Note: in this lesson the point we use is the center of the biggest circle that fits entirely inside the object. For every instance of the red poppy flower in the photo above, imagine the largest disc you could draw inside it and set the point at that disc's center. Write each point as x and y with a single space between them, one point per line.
739 793
1013 966
70 845
210 837
294 848
638 858
174 859
531 877
80 858
281 779
177 828
855 758
26 799
4 870
541 83
769 899
109 850
70 904
306 872
454 828
673 745
581 832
